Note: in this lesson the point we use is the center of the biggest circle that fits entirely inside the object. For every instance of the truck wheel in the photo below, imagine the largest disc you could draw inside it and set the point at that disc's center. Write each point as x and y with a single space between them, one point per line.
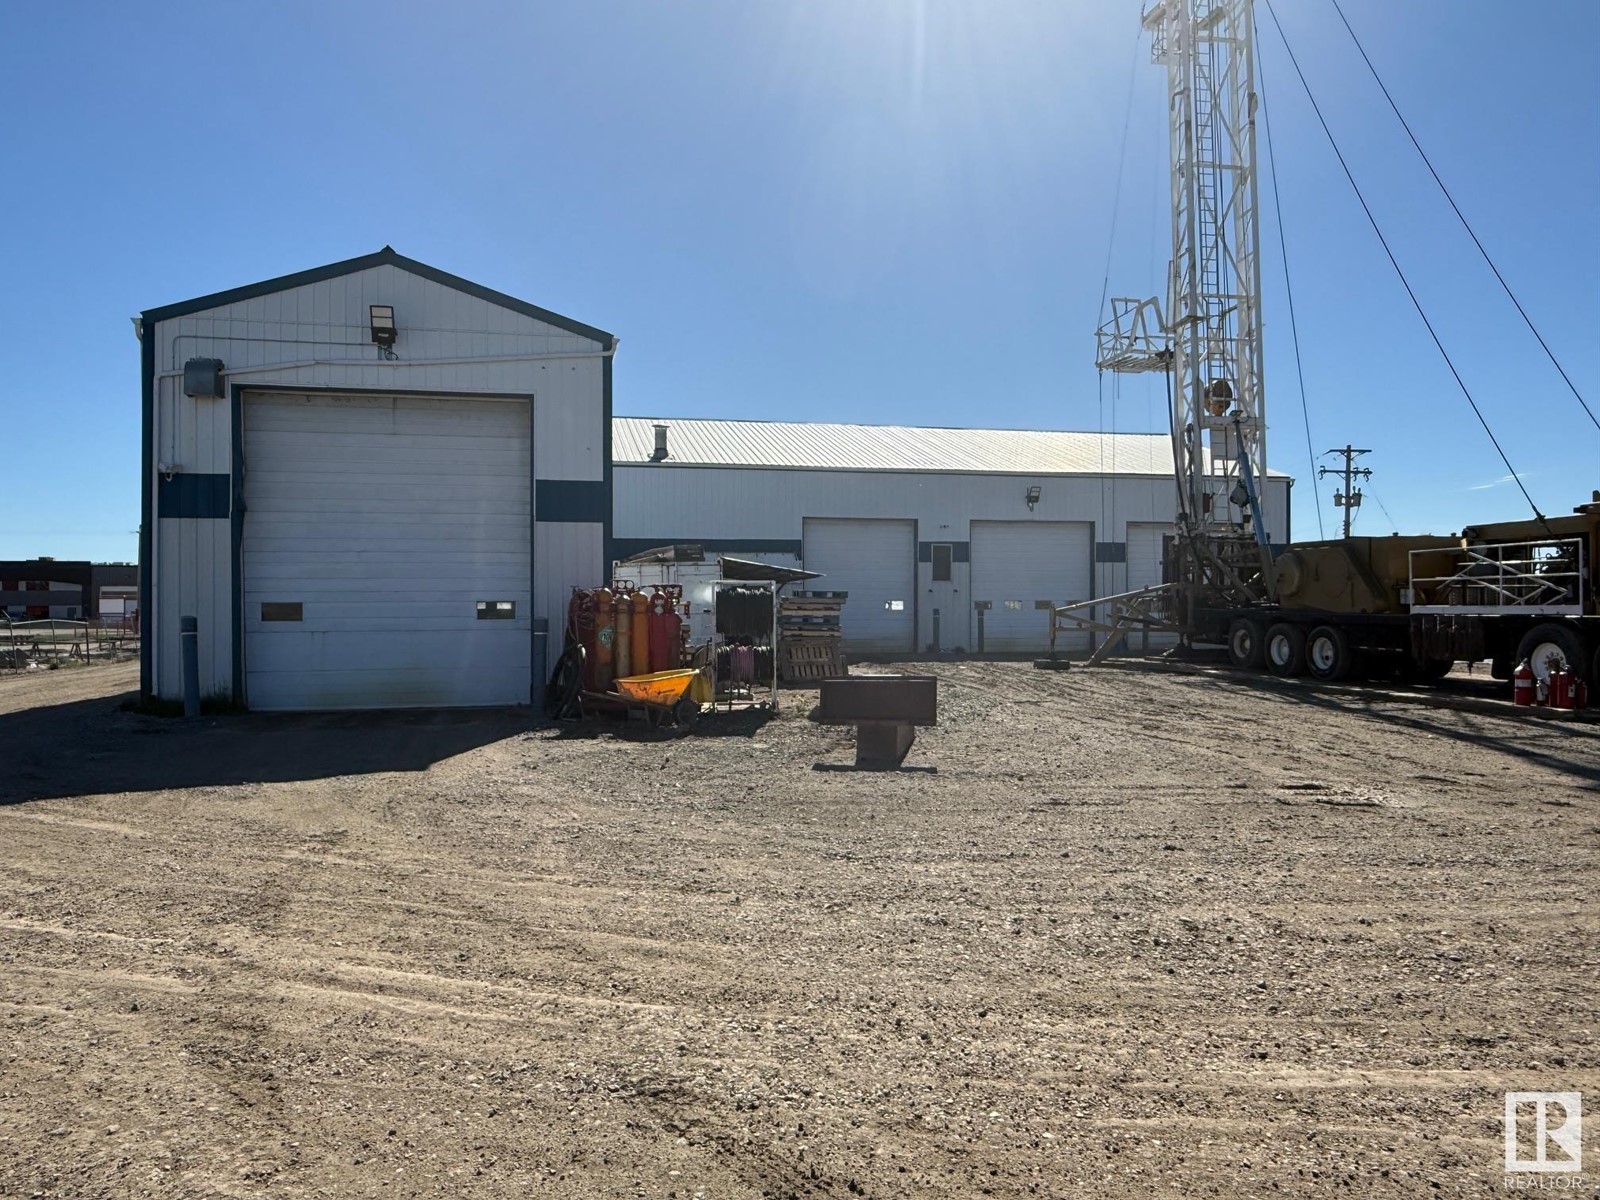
1286 649
1328 653
1246 646
1549 647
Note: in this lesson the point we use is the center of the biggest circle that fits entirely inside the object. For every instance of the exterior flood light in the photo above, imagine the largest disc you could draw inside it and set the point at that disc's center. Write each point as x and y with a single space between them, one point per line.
383 328
1033 496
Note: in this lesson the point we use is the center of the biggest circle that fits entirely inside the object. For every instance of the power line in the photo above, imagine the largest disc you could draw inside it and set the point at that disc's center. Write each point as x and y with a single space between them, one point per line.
1465 224
1384 508
1122 159
1288 287
1395 263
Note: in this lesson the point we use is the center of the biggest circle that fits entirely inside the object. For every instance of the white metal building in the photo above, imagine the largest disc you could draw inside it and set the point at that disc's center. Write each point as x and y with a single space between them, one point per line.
367 482
944 538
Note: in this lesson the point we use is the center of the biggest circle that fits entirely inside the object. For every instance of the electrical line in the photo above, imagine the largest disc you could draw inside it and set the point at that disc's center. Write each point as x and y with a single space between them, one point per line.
1395 263
1288 287
1384 507
1122 159
1465 224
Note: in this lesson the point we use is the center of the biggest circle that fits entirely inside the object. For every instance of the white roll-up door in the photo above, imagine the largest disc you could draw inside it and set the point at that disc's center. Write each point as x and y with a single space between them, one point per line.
875 561
1019 565
375 527
1146 545
1146 548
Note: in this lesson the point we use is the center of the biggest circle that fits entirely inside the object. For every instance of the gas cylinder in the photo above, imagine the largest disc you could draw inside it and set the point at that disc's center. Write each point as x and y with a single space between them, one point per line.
666 630
640 624
622 654
580 629
1580 693
1522 682
1560 688
605 638
659 649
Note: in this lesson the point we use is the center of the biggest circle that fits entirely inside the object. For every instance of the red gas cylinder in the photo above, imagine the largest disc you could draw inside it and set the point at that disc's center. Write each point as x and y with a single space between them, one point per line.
663 638
1522 684
580 629
1560 688
605 638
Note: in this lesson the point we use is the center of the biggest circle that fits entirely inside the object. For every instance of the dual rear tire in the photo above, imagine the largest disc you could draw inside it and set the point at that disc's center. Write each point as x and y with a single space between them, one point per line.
1286 650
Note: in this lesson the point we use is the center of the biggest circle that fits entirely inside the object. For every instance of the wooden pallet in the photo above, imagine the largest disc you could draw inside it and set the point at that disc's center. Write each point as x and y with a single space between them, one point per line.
809 658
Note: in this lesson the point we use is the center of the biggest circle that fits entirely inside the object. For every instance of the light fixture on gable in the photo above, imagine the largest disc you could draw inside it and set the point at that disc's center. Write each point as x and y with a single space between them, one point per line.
384 331
1033 496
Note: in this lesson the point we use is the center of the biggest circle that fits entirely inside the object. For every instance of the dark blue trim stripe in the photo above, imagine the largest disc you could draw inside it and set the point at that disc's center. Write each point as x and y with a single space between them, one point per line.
1111 552
572 500
384 257
199 496
147 455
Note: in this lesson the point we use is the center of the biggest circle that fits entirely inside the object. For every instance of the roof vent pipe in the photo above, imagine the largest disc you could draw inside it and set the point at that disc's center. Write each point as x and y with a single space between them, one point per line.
660 452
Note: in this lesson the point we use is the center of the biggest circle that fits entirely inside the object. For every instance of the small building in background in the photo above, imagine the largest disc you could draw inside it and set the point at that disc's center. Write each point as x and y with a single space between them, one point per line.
45 588
945 539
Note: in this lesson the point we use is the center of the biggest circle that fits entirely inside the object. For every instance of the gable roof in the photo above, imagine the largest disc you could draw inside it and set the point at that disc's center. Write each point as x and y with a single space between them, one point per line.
384 257
824 447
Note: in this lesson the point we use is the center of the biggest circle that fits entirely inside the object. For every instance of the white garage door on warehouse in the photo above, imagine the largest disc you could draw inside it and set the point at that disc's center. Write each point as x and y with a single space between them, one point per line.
1016 565
1147 545
386 556
875 561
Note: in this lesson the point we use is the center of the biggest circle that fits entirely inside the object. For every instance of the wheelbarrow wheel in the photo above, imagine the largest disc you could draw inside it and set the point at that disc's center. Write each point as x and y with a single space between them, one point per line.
686 712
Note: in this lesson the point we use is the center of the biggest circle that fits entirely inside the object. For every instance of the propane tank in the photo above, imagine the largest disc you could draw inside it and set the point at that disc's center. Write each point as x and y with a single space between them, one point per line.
639 623
1522 684
1580 693
622 654
605 638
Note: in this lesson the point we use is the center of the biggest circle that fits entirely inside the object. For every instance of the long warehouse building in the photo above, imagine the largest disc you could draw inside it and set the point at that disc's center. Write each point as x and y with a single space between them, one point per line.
945 539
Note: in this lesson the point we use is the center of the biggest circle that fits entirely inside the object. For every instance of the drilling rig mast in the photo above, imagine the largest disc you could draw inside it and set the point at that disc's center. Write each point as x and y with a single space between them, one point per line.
1209 341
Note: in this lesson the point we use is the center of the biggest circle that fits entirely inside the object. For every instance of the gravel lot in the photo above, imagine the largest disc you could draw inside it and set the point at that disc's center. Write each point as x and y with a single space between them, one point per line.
1125 934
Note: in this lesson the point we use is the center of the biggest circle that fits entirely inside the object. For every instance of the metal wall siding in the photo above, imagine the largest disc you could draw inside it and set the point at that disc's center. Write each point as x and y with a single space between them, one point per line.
666 503
656 505
192 558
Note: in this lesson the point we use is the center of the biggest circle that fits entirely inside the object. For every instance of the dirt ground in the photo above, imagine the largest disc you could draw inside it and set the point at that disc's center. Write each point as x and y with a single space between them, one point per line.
1122 934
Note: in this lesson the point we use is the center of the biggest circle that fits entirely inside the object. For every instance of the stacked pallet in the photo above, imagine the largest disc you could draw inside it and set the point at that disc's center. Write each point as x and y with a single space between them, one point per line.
808 635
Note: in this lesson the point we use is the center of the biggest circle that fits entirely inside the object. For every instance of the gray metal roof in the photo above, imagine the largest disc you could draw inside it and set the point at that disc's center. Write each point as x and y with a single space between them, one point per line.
694 441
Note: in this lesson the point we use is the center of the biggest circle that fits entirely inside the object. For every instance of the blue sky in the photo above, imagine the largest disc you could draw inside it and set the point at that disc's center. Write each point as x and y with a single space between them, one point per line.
893 212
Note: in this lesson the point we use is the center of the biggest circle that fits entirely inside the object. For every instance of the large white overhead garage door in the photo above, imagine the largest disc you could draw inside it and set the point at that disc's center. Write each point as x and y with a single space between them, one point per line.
374 527
1017 564
875 561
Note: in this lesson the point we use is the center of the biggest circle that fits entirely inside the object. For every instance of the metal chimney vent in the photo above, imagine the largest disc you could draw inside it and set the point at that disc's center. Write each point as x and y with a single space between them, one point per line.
660 452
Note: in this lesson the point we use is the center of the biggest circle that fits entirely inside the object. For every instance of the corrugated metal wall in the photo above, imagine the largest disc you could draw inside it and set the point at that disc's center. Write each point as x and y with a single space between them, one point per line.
317 335
727 507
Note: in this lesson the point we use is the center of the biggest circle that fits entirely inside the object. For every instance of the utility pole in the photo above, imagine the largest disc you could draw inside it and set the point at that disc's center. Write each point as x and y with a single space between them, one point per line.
1350 498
